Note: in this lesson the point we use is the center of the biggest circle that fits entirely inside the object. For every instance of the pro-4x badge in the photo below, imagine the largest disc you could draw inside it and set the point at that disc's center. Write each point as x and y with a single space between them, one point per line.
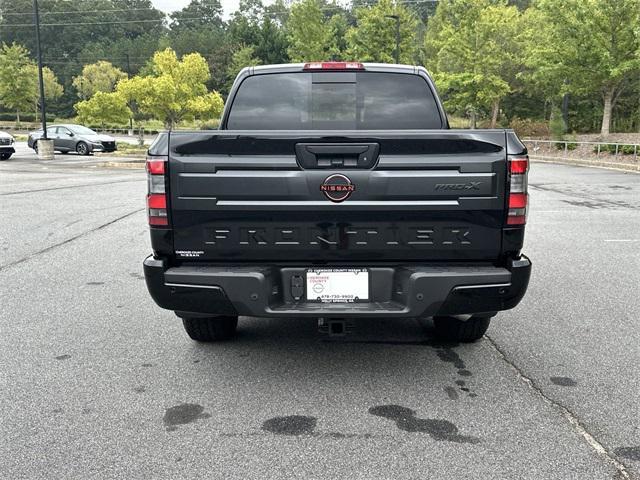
337 187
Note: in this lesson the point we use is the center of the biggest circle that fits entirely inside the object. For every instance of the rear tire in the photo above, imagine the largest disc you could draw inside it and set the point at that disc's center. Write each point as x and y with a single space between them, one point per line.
5 156
466 331
35 147
210 329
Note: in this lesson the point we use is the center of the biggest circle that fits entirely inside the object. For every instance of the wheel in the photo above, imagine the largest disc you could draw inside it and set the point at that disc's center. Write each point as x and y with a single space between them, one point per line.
35 147
210 329
5 156
457 330
82 148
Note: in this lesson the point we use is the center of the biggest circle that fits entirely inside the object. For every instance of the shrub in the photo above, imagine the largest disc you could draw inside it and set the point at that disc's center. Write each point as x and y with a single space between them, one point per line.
525 127
622 149
210 125
570 145
24 117
556 125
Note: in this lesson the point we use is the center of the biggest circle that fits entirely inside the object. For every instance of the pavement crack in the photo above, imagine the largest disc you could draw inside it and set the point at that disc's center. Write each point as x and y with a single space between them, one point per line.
68 240
66 187
571 417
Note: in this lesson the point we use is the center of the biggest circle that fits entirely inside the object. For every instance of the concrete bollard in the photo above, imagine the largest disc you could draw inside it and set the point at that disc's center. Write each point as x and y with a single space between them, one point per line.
45 149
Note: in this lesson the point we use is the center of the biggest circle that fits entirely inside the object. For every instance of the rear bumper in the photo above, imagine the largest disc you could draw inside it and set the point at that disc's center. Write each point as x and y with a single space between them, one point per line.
400 291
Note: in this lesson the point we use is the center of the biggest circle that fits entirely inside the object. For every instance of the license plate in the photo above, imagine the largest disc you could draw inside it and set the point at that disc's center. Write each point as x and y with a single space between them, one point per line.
338 285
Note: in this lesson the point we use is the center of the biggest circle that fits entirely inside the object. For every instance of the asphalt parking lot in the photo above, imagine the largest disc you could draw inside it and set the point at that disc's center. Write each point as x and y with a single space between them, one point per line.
98 382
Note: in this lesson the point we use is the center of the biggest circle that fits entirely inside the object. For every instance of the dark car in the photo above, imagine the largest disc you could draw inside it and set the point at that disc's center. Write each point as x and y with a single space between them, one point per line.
6 146
74 138
337 190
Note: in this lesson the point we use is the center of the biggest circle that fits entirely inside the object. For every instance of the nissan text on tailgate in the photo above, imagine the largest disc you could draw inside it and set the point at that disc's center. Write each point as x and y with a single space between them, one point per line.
337 190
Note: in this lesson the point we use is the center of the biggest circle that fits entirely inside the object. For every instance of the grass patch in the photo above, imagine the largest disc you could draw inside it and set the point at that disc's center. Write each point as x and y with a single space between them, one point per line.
125 148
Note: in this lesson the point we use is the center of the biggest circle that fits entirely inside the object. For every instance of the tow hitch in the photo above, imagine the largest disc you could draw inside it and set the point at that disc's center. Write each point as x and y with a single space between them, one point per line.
334 327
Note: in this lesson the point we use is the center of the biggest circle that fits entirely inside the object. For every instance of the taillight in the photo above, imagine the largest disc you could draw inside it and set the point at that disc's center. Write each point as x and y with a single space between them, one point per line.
518 196
333 66
157 196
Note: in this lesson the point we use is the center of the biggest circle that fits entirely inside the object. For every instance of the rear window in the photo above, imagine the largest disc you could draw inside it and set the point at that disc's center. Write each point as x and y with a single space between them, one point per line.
334 101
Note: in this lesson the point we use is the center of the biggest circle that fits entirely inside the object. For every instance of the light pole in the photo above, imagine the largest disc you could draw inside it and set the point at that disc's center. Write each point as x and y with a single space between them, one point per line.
43 108
397 51
44 146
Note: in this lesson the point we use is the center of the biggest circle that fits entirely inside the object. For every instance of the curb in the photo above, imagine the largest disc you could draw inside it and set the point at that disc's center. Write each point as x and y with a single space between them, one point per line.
620 167
130 165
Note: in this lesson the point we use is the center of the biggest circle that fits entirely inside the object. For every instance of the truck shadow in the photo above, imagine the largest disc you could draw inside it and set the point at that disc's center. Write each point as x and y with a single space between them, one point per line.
295 353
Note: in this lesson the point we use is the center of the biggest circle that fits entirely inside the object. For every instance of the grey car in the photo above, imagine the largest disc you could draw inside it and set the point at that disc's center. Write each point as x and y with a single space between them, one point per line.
74 138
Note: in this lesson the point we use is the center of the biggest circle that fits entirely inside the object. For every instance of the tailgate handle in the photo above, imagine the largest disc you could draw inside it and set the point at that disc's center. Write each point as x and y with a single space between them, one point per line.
333 155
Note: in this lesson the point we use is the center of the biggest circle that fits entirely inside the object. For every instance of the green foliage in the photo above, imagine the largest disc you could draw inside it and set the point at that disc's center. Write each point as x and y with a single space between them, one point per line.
68 42
104 108
470 49
373 39
130 149
101 76
621 149
272 43
526 127
584 47
199 13
560 145
311 35
242 58
254 26
556 125
19 89
175 90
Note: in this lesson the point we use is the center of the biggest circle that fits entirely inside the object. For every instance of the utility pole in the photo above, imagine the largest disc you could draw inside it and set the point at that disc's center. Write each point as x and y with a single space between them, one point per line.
397 51
43 108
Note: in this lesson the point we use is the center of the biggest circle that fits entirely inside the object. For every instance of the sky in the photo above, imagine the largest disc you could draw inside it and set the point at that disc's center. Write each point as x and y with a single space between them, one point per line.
169 6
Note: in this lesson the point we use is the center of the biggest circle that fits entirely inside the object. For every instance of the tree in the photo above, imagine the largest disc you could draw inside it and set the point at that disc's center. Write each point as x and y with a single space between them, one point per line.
471 49
272 43
595 48
244 24
52 88
310 34
199 13
339 25
259 27
63 43
104 108
19 87
278 11
213 44
101 76
175 90
373 39
242 58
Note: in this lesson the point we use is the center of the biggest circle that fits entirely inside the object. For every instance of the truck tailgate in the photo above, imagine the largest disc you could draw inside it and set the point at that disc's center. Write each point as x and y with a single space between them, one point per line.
419 195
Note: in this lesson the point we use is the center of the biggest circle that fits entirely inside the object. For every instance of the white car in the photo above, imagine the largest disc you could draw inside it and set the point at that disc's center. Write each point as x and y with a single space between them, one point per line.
6 145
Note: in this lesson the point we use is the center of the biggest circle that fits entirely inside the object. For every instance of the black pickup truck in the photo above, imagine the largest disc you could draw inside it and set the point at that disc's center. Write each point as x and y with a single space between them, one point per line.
337 190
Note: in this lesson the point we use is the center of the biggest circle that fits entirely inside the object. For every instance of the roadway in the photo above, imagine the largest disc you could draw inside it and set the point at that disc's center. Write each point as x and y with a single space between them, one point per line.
98 382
